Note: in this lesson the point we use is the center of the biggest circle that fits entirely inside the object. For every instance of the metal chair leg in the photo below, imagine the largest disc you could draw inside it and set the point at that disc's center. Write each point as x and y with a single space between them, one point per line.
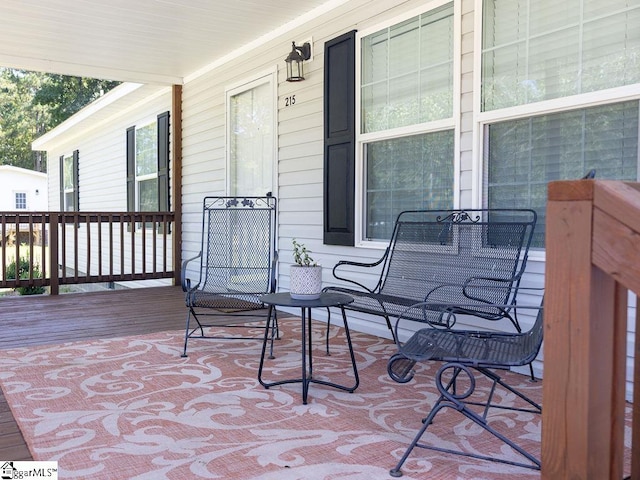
450 398
186 335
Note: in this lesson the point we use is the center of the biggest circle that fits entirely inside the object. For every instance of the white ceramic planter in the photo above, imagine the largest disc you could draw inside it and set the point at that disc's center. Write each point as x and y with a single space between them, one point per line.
305 282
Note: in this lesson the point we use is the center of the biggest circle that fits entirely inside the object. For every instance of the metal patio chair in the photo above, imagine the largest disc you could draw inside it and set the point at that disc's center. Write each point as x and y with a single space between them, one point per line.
236 265
464 352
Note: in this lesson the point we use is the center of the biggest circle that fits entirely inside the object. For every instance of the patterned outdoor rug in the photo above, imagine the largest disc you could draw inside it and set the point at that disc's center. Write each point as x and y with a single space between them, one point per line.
133 408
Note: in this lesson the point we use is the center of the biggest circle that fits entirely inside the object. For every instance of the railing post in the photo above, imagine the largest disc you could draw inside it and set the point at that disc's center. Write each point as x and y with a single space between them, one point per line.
635 435
54 285
584 349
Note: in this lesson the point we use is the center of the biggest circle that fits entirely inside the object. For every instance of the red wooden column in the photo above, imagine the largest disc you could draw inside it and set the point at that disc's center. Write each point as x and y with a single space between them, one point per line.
584 349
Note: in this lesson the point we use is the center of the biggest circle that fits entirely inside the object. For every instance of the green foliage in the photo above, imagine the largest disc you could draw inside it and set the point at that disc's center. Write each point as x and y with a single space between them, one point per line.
23 274
20 119
32 103
63 96
301 255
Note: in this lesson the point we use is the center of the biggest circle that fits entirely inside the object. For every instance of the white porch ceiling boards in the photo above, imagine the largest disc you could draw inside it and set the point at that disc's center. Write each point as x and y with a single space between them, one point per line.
143 41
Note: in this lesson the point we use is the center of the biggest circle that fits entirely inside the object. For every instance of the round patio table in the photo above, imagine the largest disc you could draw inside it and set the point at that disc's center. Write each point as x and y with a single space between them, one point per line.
325 300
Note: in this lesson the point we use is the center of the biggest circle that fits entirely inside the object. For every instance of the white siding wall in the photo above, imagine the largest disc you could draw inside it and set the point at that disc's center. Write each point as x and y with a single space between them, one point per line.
102 156
103 174
300 137
300 140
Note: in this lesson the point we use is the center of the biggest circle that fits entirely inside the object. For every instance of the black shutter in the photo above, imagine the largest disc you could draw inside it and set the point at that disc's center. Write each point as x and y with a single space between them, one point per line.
339 140
131 169
163 162
62 183
76 183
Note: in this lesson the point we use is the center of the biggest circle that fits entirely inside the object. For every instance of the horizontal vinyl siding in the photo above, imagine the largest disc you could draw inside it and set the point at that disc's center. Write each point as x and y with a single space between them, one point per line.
300 141
300 152
102 158
300 145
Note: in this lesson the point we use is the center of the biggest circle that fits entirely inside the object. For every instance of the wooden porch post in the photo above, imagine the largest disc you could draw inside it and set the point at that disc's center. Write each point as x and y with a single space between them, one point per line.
585 340
54 283
176 179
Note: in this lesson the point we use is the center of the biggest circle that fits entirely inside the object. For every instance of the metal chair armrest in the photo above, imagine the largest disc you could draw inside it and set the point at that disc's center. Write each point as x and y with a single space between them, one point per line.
184 281
509 285
341 263
273 280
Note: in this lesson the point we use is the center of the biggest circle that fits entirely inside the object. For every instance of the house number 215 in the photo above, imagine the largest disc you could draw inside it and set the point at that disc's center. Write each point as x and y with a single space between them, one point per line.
290 100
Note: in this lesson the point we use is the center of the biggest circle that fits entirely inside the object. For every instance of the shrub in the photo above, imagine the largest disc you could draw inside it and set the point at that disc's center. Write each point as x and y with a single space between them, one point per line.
23 273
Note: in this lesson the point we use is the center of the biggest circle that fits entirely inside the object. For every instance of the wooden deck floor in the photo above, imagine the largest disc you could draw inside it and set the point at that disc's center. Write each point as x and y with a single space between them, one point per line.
38 320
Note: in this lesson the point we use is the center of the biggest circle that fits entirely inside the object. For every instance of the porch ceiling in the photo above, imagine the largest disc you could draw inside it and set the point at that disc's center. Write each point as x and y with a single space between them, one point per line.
143 41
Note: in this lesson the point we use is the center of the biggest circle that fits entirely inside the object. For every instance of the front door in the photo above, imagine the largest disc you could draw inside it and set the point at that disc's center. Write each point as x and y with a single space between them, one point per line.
251 137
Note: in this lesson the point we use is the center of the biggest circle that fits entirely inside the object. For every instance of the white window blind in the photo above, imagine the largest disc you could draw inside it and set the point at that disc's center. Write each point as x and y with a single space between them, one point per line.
407 173
251 138
537 50
68 184
524 155
147 167
407 72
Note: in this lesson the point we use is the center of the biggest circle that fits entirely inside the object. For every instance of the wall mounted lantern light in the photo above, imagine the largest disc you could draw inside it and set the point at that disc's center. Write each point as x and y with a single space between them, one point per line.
295 61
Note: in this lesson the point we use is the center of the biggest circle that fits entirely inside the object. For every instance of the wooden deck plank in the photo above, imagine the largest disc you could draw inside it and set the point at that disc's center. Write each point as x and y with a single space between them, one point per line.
41 320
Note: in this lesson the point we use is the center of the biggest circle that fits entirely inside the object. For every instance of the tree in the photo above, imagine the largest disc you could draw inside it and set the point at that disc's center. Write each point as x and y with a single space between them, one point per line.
20 119
63 96
32 103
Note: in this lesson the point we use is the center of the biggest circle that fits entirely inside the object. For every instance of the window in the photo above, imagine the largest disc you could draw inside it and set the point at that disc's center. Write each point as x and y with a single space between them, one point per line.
21 201
559 97
251 137
69 174
148 165
406 127
146 168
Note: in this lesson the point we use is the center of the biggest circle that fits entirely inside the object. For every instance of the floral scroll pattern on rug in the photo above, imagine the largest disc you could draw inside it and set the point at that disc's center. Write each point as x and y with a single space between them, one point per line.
133 408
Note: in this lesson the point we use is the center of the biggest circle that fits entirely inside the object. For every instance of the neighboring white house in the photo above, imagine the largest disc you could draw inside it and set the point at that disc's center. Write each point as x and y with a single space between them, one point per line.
405 104
22 189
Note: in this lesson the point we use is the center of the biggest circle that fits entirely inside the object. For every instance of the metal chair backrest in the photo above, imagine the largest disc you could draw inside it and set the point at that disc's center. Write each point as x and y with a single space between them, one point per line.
238 244
434 253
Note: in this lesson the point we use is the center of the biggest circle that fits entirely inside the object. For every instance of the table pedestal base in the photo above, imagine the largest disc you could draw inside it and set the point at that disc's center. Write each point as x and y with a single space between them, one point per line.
307 373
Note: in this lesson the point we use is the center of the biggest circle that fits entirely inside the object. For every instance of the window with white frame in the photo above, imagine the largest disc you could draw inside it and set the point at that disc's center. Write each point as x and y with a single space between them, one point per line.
147 167
21 201
68 184
406 133
147 155
560 96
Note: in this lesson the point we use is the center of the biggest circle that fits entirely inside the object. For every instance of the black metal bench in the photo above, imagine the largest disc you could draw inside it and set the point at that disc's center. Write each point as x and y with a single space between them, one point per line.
446 258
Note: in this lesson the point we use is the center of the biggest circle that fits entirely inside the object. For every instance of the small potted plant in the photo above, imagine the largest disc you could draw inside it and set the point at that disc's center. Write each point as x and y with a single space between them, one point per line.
305 274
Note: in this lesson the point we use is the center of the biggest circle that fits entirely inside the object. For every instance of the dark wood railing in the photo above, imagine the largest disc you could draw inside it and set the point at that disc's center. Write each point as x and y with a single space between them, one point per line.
592 262
71 248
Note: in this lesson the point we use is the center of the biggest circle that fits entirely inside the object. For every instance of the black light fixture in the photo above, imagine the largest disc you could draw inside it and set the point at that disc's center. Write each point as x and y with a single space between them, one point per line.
295 61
